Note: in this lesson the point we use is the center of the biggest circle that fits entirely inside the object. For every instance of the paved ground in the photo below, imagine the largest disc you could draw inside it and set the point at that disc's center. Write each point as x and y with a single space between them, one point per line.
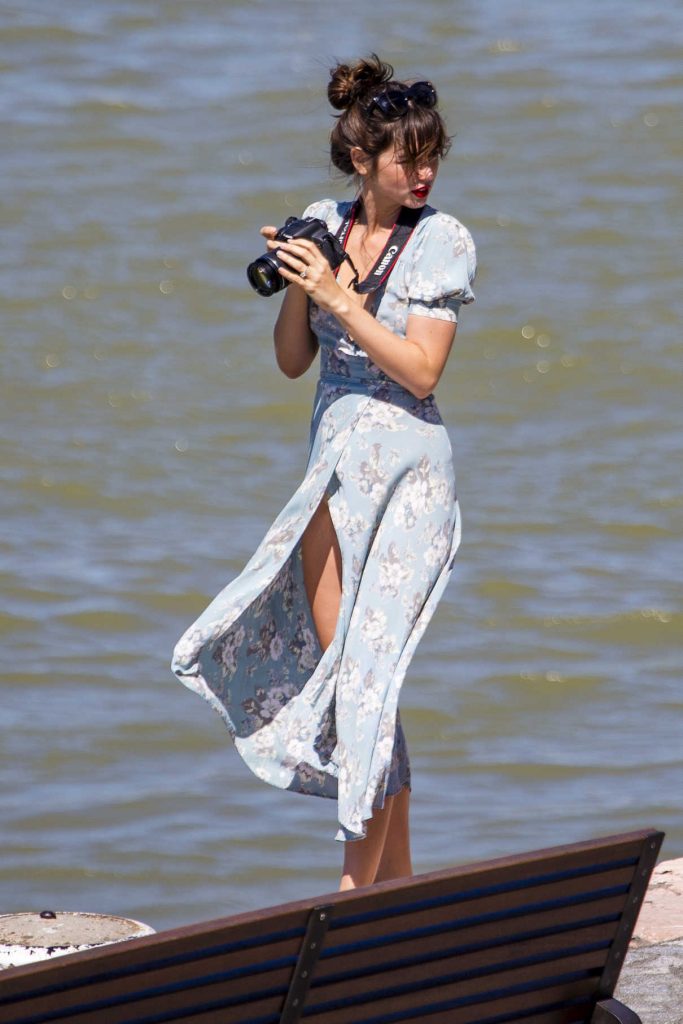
651 981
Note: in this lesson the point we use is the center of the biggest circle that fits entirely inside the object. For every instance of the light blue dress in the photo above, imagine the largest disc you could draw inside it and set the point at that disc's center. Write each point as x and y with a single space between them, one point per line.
327 723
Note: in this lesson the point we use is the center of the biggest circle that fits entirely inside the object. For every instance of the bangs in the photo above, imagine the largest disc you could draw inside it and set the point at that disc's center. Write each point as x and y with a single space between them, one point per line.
420 136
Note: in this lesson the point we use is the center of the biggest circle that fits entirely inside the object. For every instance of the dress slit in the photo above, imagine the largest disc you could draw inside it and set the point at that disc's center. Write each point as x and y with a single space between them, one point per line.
325 500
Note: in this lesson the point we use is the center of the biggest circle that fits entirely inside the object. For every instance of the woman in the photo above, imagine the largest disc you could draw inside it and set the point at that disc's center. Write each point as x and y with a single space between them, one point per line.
303 655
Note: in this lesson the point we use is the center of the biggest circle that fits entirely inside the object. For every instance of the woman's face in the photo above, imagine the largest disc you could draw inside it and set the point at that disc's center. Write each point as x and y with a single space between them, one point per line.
399 183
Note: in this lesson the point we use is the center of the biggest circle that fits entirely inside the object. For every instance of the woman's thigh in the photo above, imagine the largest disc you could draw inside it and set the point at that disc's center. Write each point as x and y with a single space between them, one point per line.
322 565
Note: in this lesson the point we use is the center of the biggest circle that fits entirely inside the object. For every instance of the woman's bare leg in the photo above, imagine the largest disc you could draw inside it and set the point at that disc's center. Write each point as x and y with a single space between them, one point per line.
362 857
385 851
395 861
322 566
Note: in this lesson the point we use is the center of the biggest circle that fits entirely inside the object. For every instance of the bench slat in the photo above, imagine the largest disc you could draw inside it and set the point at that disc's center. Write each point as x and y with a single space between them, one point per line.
507 873
550 952
467 1002
556 1012
604 912
469 914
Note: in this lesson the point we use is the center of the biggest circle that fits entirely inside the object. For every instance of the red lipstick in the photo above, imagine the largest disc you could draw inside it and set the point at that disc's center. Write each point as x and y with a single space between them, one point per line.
422 192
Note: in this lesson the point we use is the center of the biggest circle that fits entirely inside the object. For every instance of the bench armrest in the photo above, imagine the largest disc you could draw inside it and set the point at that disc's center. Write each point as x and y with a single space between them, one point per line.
611 1011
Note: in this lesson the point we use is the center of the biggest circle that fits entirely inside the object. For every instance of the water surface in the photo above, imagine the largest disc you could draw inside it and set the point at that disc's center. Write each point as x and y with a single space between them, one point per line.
149 440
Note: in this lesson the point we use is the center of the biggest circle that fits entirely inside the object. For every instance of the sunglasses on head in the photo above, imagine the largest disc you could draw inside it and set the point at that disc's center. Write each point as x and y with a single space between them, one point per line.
394 100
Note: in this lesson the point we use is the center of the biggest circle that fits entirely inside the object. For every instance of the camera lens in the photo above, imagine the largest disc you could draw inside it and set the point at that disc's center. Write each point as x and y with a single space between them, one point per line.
263 275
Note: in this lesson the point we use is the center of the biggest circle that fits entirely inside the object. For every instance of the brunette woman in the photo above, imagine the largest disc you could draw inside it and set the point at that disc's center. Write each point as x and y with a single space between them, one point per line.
304 654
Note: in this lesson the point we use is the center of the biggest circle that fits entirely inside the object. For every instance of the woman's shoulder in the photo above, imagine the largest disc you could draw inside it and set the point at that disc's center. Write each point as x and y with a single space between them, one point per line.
444 236
437 224
330 210
443 264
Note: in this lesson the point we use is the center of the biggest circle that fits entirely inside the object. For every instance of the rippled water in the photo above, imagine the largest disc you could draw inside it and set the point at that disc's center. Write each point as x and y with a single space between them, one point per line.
149 440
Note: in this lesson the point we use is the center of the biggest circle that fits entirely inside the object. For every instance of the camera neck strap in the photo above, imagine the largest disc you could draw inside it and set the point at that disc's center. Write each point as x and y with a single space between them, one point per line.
386 261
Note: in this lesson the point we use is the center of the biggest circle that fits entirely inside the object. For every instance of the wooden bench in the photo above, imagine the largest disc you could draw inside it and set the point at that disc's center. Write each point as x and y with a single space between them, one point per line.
537 938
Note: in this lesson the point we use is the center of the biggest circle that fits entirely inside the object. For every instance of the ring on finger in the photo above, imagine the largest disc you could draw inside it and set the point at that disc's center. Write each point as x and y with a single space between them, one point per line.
303 273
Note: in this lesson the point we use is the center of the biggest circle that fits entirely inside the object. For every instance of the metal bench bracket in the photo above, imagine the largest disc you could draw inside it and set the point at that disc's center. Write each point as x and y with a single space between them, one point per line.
311 948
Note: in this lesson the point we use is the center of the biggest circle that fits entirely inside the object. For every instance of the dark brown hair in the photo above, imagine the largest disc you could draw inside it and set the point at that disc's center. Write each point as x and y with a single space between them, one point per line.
419 135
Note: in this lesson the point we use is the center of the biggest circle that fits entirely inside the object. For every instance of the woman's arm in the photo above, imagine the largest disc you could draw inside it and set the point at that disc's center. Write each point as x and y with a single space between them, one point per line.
295 344
415 362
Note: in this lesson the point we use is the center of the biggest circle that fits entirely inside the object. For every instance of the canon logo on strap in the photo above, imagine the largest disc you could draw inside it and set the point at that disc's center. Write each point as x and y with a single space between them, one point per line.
388 257
376 280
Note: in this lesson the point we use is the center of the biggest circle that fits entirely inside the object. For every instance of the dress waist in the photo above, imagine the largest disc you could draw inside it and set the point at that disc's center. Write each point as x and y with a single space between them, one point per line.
361 381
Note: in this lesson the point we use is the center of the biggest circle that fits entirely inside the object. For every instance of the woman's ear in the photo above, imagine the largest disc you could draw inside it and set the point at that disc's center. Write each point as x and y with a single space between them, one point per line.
360 160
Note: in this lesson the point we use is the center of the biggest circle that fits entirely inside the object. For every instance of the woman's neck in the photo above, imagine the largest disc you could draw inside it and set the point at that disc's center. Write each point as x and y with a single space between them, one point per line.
376 212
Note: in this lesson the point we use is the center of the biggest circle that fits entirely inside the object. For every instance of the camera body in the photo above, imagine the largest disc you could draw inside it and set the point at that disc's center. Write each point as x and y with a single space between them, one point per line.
263 273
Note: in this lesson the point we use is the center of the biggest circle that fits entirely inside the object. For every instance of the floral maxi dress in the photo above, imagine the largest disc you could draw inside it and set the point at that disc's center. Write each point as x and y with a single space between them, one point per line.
326 723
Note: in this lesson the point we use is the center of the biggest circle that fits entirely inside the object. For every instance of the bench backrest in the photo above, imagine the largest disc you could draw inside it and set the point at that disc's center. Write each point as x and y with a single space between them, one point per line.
537 937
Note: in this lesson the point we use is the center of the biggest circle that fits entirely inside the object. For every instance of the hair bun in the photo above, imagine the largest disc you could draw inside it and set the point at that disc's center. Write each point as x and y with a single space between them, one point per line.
350 82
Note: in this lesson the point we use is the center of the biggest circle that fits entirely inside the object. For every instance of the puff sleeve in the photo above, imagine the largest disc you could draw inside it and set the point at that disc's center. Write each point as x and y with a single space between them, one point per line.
443 269
324 209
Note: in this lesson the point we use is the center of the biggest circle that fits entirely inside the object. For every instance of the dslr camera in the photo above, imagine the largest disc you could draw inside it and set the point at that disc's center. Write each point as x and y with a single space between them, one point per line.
263 273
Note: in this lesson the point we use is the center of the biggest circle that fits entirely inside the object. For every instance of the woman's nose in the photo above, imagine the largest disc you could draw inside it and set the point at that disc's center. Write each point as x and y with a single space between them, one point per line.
425 174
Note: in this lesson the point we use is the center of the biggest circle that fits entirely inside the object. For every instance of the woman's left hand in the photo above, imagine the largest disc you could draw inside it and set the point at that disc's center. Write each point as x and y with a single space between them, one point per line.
308 268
